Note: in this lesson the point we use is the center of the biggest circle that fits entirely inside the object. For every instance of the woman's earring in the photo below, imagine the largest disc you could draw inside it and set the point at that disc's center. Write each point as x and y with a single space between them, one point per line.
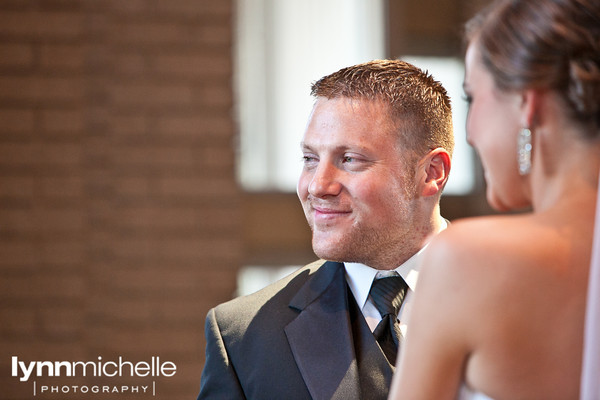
524 151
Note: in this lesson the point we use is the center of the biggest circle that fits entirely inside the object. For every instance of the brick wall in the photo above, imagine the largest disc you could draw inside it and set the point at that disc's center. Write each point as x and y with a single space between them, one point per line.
119 212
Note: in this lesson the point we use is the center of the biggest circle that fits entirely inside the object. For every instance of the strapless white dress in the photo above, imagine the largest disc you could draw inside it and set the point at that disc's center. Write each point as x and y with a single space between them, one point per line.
465 393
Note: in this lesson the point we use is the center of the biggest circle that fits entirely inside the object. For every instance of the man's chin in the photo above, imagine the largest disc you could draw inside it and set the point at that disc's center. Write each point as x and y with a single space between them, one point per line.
329 252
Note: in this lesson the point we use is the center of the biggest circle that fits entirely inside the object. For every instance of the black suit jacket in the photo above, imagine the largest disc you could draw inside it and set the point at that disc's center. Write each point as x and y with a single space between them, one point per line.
293 340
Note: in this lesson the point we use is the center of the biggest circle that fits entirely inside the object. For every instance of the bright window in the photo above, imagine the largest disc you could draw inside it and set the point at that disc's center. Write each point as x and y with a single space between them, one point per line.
450 72
282 47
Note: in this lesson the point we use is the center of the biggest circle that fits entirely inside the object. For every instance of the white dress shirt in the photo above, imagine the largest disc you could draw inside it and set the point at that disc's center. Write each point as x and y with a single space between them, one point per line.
360 277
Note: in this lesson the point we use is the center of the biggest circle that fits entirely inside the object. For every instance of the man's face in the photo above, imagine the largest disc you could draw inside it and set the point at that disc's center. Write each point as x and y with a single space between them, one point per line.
354 188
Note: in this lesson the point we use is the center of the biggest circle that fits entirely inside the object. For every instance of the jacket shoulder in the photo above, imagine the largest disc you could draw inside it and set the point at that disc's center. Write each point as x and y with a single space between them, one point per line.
272 298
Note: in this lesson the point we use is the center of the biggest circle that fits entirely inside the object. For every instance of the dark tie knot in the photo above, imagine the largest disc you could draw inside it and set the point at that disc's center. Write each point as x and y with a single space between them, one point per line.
388 294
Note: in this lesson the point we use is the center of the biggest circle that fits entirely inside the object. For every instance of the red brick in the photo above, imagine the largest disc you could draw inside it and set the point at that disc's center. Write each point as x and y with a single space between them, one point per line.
44 286
60 286
60 220
38 154
132 187
18 154
16 55
12 388
134 7
216 157
183 8
17 321
36 24
63 121
66 154
150 94
216 35
16 187
17 120
216 95
195 65
41 349
128 310
18 288
64 253
200 7
224 218
211 33
149 342
63 57
195 187
21 222
130 63
195 248
157 217
175 280
153 156
21 255
41 89
160 32
135 247
205 127
177 310
120 214
129 125
63 322
70 187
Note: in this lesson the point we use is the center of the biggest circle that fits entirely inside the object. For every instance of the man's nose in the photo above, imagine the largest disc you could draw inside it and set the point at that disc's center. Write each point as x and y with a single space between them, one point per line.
325 181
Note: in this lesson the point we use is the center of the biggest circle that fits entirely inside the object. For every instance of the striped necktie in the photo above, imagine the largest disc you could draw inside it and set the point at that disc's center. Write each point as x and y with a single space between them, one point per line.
387 295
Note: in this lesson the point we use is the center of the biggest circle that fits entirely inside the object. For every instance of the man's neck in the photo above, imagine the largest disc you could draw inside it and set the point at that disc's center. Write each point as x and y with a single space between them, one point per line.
392 261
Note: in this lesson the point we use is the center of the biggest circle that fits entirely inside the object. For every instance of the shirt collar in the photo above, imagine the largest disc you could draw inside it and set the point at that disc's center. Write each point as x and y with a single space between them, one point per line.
360 276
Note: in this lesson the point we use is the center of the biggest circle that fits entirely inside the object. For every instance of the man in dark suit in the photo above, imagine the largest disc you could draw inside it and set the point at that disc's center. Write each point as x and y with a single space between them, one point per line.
377 152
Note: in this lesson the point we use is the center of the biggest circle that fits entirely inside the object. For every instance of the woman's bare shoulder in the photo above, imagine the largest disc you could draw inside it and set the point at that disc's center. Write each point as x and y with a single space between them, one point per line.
487 257
504 272
475 241
485 240
507 279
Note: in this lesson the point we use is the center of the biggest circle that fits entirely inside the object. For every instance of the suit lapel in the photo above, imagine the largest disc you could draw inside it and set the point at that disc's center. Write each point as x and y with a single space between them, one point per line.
320 337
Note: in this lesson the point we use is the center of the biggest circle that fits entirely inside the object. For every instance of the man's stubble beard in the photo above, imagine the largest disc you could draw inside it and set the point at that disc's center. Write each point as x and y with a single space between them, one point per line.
370 245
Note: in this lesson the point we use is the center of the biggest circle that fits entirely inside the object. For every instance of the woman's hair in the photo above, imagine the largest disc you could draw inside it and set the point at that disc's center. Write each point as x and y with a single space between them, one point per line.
418 105
544 44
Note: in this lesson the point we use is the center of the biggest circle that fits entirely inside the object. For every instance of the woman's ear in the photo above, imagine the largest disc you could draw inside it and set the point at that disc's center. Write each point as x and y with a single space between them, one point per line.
435 167
530 103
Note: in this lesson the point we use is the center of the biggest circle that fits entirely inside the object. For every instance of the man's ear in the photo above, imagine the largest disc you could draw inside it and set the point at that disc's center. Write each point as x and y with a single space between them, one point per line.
435 167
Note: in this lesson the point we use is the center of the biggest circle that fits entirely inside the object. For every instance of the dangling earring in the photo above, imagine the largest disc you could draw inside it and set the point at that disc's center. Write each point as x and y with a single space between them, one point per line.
524 151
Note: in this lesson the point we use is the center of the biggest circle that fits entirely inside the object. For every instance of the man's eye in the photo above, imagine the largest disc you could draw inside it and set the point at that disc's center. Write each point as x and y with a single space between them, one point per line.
308 159
348 159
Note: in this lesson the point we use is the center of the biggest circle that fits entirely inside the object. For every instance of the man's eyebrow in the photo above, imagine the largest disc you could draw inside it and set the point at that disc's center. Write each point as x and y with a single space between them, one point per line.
339 148
305 147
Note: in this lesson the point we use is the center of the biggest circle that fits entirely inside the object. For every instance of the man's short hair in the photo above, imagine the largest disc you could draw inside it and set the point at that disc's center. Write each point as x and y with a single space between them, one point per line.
419 105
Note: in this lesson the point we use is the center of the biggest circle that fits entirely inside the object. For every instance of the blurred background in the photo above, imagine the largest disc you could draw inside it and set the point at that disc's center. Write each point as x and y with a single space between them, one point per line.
148 156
